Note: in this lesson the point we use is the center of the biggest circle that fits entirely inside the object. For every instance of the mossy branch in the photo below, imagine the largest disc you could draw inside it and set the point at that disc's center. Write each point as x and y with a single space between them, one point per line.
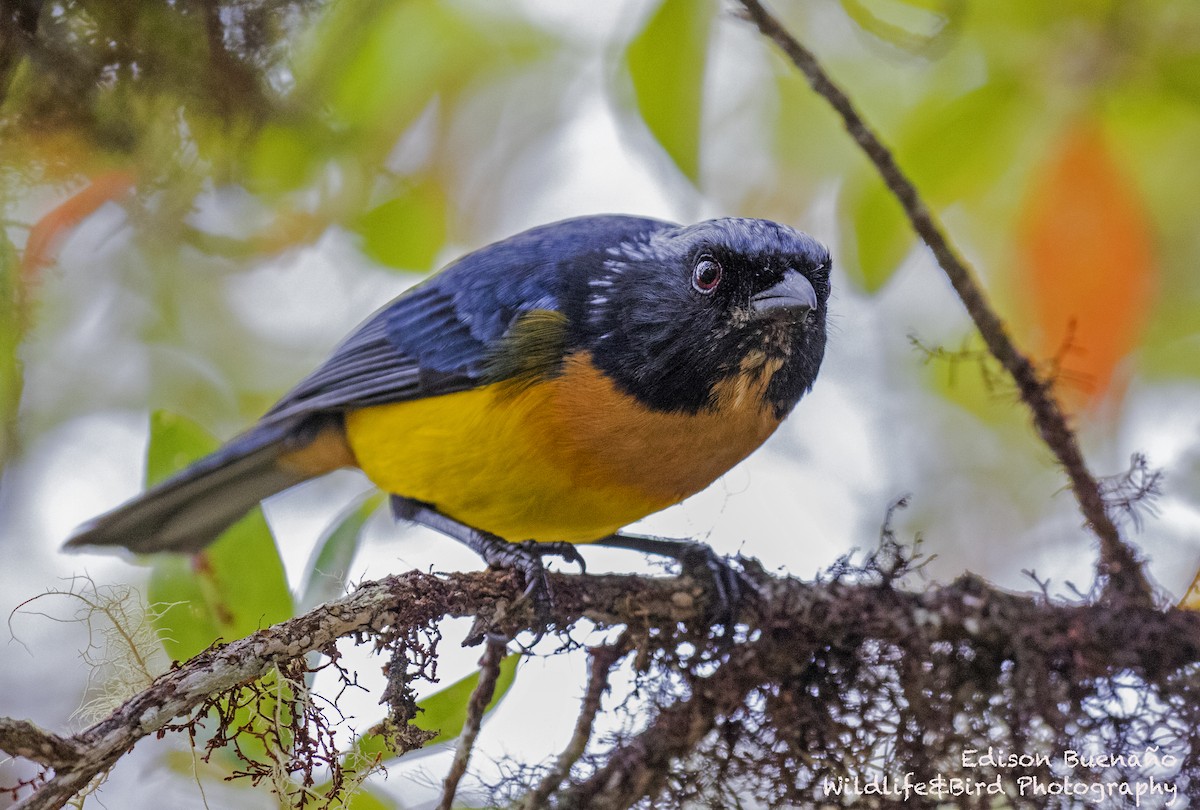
964 633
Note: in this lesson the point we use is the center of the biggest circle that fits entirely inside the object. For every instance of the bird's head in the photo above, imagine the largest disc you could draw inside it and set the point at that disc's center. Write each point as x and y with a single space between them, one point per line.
683 315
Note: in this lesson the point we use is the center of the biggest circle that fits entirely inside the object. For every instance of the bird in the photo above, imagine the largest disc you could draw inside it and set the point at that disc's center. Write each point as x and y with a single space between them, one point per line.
544 391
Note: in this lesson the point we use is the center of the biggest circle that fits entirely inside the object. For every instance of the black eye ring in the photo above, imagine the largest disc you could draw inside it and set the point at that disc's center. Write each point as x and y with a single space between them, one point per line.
706 275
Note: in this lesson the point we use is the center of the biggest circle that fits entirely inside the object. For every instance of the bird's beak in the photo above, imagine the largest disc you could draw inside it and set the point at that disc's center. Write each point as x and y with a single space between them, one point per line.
793 297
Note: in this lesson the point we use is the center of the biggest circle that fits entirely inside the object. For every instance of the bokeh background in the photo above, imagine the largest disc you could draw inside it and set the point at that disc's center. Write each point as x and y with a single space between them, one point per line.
200 198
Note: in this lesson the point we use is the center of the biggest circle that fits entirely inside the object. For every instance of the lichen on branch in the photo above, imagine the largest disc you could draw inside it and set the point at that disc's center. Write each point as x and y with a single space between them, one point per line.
818 680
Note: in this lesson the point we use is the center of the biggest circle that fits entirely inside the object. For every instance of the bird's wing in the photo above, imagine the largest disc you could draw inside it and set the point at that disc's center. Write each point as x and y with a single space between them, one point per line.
485 318
370 368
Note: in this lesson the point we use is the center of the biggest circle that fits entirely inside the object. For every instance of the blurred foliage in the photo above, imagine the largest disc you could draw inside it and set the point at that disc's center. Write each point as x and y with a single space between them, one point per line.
371 118
1085 255
1020 123
229 590
12 326
329 567
667 62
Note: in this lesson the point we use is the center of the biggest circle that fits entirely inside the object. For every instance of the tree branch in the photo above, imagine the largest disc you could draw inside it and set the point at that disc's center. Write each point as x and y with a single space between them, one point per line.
411 600
639 768
20 738
599 667
481 696
804 619
1084 641
1119 568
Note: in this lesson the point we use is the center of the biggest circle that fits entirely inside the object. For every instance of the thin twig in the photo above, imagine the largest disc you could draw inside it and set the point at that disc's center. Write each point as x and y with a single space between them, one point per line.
481 696
600 665
1119 569
638 768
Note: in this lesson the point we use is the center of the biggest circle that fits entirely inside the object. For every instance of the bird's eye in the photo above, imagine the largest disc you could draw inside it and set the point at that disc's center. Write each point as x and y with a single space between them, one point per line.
706 275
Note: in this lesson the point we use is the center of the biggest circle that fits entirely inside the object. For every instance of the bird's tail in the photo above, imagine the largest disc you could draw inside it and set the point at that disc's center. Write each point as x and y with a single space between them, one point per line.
192 508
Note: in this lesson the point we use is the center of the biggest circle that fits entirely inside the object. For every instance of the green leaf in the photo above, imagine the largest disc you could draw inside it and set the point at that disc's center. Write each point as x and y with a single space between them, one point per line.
1178 73
445 711
953 151
330 563
667 62
408 230
183 617
282 158
231 589
366 799
959 150
912 25
881 235
362 798
379 76
1171 349
11 324
807 134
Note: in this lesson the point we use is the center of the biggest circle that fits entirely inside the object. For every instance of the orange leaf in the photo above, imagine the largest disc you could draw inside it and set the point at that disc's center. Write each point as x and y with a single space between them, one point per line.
49 231
1085 261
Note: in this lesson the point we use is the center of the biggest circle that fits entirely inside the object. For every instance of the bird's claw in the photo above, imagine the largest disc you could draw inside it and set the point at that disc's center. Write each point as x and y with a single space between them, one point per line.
497 552
527 557
567 551
728 585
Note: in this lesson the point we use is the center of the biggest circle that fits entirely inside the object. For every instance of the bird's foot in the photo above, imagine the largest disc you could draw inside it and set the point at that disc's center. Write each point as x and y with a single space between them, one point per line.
526 557
727 585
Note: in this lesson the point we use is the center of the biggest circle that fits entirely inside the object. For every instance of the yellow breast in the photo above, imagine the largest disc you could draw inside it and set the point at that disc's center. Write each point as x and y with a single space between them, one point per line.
569 458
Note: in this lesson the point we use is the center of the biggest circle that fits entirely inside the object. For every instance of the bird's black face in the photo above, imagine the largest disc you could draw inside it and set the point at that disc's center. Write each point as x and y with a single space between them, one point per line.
674 316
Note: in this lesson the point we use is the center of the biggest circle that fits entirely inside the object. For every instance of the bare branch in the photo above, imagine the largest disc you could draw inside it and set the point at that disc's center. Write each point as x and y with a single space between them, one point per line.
1119 569
20 738
481 696
601 663
639 768
1132 493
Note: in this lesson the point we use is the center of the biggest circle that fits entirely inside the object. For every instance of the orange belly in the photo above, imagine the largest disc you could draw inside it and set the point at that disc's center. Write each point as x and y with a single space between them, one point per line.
568 458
